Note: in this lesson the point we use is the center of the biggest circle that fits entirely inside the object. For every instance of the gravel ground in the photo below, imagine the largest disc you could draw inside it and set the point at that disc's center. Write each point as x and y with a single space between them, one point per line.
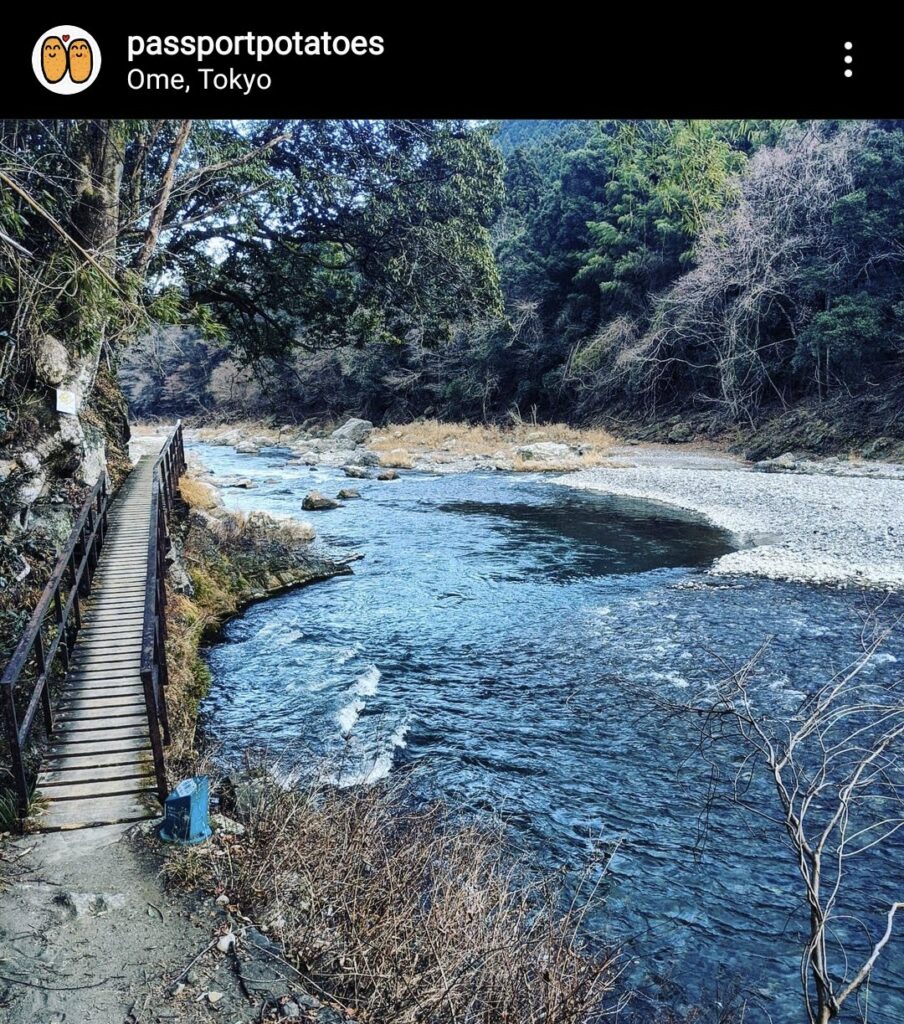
820 528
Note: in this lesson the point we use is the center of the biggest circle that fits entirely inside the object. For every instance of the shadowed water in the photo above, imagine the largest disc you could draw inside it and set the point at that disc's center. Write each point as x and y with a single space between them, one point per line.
486 638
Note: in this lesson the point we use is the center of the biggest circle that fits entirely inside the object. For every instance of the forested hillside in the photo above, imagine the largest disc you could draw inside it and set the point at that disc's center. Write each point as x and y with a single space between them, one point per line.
677 277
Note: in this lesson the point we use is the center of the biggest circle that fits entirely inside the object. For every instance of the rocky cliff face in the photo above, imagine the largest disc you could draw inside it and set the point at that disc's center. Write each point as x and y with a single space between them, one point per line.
49 458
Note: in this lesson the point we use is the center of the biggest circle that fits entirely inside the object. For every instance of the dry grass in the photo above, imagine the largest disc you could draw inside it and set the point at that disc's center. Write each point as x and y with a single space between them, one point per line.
467 439
398 458
401 912
197 494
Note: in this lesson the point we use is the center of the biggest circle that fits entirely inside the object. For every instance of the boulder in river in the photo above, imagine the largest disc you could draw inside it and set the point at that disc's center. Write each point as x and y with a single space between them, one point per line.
247 448
314 501
545 451
304 459
388 474
356 472
364 457
347 493
354 430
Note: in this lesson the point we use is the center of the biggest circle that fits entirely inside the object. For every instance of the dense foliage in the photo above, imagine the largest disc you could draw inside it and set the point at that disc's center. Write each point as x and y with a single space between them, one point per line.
729 269
725 270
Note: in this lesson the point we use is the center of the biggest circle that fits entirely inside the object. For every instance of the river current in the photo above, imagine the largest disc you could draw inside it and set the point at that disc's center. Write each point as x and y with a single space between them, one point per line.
486 639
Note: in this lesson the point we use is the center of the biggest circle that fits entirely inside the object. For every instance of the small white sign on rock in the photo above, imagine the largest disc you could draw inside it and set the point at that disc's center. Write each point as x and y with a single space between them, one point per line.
67 401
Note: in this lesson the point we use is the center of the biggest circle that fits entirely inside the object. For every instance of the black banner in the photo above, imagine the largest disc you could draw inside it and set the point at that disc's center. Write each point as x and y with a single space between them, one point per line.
322 64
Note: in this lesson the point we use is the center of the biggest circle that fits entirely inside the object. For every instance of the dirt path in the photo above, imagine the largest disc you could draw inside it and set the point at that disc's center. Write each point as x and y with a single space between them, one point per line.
86 932
89 936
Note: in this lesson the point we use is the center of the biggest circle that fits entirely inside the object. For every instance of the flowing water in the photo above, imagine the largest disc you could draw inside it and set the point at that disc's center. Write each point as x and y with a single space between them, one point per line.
487 637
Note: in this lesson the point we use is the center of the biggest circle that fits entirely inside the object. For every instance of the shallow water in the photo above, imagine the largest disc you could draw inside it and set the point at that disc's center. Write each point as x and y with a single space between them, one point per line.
487 637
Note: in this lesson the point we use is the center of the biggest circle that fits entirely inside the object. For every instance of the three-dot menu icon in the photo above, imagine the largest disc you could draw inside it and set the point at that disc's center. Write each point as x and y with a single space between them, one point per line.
848 60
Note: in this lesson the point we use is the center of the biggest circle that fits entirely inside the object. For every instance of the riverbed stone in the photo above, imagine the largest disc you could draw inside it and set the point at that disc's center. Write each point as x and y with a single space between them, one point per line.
544 451
388 474
347 493
364 457
356 472
355 430
314 501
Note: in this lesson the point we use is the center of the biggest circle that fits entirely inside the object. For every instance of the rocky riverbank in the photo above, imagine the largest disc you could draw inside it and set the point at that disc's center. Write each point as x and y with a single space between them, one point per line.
830 521
428 446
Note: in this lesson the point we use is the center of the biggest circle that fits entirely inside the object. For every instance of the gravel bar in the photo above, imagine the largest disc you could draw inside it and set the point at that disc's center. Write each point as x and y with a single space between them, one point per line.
828 528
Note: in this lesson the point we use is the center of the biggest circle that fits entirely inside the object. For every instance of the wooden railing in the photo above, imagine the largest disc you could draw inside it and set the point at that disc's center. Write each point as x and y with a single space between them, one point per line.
50 634
170 465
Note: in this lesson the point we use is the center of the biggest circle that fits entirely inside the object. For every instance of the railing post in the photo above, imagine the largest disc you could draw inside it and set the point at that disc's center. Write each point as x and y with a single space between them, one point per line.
150 700
61 628
18 766
43 673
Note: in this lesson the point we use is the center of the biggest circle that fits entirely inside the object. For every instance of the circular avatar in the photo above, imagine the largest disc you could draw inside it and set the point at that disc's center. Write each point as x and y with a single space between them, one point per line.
66 59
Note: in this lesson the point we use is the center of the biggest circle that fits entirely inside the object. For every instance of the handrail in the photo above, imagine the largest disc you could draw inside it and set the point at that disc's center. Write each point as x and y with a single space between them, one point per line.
79 556
170 465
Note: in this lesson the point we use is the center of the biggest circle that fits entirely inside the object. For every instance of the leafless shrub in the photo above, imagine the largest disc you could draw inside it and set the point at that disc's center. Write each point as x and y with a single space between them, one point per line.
833 765
403 912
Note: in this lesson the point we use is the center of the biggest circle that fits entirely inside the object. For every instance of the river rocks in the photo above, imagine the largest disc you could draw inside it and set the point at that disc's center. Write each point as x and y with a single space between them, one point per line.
52 365
355 430
247 448
831 466
388 474
356 472
781 464
347 493
364 457
544 451
304 459
259 525
201 519
314 501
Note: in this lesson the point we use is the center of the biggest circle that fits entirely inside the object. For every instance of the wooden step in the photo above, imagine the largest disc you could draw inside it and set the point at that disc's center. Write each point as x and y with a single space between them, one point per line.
110 810
99 748
66 776
96 787
119 760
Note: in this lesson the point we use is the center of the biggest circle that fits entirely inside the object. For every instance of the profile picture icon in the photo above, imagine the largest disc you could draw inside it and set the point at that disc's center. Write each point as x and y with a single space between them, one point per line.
66 59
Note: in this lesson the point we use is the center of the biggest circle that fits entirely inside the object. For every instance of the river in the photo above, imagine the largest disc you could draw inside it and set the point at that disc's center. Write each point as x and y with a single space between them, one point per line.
487 638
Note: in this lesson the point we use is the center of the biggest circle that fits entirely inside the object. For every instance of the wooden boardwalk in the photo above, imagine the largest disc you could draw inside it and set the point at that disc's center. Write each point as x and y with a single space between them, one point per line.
98 769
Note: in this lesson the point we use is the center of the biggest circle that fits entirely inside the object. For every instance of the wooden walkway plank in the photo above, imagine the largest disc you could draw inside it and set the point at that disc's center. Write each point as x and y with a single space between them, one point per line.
98 769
